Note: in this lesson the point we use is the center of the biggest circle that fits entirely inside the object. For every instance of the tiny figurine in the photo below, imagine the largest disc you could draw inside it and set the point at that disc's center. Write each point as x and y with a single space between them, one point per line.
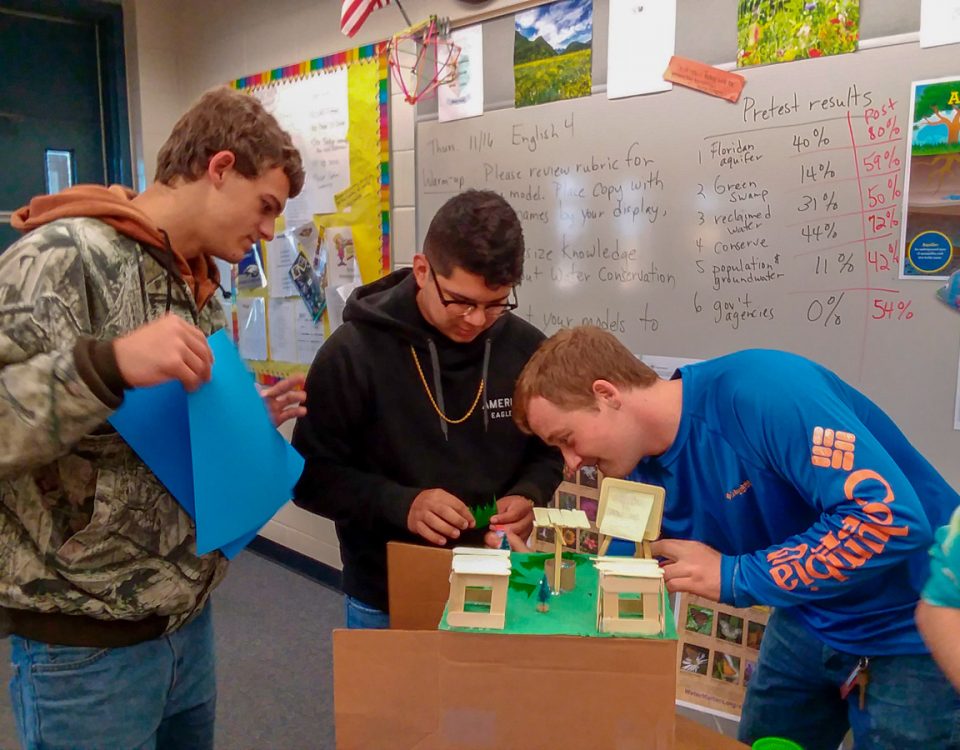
543 595
504 542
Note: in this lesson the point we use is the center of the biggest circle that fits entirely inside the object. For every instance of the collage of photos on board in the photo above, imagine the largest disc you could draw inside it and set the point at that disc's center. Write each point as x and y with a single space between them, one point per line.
579 490
719 646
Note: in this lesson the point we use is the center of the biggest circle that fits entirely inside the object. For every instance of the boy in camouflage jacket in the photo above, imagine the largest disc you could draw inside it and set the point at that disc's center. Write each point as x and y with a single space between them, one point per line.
100 582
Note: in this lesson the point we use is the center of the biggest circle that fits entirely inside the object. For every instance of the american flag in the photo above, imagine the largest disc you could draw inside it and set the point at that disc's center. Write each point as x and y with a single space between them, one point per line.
353 14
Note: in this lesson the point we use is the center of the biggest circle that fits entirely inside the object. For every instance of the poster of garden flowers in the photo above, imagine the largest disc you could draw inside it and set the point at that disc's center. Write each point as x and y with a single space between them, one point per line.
770 31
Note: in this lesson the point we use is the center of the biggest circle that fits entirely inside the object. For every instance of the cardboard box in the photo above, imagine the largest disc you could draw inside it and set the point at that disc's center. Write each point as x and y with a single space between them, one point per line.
440 690
418 585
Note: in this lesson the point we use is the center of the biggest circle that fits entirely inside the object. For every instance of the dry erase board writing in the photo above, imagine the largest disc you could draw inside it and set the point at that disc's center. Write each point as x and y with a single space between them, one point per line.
690 226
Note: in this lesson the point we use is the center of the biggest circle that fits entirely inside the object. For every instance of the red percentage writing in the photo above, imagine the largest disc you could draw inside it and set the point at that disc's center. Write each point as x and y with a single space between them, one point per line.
892 184
879 160
885 310
889 130
884 261
884 220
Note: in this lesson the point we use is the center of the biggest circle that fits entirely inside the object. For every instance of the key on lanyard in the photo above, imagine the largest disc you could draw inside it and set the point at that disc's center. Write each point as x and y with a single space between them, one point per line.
859 677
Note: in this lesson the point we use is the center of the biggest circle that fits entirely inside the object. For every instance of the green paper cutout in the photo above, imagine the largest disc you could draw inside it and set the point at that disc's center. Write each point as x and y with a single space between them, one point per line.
483 513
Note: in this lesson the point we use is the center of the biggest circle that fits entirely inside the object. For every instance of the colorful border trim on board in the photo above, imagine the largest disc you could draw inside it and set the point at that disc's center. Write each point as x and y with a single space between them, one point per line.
348 57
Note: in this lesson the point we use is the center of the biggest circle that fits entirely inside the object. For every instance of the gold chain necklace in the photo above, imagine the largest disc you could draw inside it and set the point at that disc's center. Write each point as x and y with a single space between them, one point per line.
444 417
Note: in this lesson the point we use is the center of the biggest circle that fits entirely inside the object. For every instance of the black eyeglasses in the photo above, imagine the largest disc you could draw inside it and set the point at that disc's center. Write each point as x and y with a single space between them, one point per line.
462 308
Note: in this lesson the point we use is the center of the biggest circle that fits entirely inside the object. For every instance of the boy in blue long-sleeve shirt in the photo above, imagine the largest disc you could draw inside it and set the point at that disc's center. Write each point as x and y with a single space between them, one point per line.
785 487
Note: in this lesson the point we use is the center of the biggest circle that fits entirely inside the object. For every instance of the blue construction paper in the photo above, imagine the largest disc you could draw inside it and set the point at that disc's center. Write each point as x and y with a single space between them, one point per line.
243 469
234 548
154 423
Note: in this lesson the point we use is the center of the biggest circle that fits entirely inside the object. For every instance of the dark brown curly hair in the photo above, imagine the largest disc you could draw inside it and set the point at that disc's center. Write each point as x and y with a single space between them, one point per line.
228 120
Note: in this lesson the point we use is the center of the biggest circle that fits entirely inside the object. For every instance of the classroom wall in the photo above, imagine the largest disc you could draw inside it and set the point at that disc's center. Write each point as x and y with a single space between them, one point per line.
179 48
176 49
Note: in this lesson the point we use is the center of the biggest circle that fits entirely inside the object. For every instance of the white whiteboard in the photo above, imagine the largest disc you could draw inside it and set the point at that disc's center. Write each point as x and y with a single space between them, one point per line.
693 227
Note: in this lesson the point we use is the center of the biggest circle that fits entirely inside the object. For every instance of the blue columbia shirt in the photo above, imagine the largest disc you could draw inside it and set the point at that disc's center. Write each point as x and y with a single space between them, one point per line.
814 497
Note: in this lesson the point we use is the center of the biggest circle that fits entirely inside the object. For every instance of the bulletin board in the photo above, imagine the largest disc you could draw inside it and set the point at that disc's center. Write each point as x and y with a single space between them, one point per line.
350 227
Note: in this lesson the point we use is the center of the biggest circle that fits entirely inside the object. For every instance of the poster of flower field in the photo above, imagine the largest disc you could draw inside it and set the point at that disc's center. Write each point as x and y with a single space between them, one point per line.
552 52
771 31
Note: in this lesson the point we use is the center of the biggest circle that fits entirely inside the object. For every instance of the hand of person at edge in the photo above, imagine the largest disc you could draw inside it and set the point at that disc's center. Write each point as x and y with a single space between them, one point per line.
689 567
514 516
437 516
284 400
165 349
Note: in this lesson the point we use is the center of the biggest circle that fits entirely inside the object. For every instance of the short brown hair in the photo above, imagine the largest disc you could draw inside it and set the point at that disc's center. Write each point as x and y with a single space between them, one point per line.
479 232
566 365
228 120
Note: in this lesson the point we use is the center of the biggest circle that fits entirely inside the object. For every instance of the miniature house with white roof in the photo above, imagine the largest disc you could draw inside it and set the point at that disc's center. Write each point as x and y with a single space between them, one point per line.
478 588
630 592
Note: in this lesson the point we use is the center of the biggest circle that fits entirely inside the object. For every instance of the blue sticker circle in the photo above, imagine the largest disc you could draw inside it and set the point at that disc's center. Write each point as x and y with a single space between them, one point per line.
930 252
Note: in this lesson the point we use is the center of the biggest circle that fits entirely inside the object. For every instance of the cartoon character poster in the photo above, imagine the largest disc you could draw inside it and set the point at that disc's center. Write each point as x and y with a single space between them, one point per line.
931 227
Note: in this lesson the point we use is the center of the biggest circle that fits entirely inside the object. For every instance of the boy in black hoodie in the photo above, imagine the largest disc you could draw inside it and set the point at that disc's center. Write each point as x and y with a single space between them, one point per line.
410 424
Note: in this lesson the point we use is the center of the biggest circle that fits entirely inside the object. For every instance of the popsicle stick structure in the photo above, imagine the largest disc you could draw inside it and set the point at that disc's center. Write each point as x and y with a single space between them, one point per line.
558 520
630 596
629 510
478 588
631 591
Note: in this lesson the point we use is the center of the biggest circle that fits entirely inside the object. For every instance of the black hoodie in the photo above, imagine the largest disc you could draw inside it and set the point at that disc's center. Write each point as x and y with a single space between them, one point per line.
372 441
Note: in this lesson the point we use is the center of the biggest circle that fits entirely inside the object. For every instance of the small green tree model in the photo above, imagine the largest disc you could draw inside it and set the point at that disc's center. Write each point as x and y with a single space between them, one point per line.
543 595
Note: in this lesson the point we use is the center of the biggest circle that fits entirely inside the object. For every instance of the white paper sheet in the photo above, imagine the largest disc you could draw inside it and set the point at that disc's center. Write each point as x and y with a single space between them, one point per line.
282 324
463 97
939 22
315 113
309 335
281 252
252 321
625 514
336 300
641 43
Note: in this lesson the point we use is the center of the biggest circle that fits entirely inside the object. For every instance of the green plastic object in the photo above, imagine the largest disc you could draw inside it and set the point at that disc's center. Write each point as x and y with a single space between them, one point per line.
775 743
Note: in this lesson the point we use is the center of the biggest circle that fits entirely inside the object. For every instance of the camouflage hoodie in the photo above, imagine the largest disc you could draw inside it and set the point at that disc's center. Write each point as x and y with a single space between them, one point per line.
85 526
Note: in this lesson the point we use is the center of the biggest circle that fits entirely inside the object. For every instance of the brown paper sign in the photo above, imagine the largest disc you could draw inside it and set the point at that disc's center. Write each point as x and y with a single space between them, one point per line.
705 78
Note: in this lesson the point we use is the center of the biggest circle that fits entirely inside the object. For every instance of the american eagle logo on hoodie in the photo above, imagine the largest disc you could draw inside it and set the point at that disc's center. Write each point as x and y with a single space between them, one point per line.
500 408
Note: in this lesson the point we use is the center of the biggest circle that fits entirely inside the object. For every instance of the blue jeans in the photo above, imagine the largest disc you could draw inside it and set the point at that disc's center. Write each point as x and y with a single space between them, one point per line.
795 693
359 615
156 695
